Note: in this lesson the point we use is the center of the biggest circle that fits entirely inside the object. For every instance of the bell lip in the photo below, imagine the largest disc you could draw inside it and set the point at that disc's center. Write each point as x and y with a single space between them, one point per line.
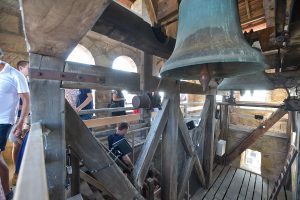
172 66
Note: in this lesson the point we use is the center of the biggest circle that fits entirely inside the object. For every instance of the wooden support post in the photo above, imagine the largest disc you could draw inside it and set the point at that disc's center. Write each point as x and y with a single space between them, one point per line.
170 143
208 144
145 80
49 110
255 134
224 126
143 162
96 159
75 176
295 173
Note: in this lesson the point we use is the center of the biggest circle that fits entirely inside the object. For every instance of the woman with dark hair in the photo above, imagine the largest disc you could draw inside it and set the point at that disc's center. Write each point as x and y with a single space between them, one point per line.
117 100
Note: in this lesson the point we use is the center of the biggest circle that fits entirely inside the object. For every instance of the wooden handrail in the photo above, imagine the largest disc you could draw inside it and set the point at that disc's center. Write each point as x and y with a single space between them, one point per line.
252 104
84 112
32 181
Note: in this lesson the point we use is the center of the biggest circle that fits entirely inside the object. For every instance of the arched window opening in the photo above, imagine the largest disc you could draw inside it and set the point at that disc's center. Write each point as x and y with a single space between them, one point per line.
80 54
125 63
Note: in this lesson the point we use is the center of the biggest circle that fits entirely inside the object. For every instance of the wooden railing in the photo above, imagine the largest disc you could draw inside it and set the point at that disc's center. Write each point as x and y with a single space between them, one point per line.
32 181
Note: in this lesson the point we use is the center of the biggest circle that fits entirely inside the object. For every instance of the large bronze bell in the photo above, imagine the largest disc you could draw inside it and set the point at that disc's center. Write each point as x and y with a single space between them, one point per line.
210 43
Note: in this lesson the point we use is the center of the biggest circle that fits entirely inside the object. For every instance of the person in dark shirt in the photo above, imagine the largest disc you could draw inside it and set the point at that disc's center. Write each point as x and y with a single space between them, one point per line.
84 102
119 135
118 100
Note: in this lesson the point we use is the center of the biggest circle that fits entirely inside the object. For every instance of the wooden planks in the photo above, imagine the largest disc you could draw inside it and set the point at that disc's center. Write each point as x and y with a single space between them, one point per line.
230 183
235 185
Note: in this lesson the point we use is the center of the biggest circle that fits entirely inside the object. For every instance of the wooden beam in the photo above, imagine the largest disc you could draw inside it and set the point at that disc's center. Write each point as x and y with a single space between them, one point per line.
200 172
255 134
93 123
92 181
208 143
95 158
248 9
147 153
124 80
121 24
185 176
252 104
49 25
49 110
151 11
295 172
33 168
75 176
170 142
185 136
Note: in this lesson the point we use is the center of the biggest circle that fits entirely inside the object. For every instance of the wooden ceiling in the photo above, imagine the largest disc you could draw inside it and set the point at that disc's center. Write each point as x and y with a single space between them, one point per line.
165 12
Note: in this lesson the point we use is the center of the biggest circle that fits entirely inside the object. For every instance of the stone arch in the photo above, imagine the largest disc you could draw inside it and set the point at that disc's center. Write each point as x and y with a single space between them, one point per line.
124 63
81 54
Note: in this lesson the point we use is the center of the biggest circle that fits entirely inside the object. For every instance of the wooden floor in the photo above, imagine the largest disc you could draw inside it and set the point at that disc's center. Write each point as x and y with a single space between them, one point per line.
230 183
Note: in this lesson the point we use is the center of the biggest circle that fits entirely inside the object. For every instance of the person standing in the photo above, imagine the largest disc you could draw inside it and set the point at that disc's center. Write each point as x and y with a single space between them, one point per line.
118 100
23 67
13 85
84 102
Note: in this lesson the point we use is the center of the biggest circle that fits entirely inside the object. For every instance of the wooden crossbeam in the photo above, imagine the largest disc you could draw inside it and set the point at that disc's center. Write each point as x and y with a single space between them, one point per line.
93 123
123 80
95 158
147 153
255 134
151 11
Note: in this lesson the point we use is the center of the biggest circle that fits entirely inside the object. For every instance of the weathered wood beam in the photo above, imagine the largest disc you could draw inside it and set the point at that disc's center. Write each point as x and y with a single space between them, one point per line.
95 158
49 25
93 123
185 176
151 11
49 111
92 181
190 149
295 172
147 153
255 134
248 9
169 146
33 168
280 16
122 25
123 80
75 176
252 104
208 143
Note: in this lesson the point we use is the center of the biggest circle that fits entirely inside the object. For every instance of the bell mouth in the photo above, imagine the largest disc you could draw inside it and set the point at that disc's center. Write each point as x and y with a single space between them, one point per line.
215 70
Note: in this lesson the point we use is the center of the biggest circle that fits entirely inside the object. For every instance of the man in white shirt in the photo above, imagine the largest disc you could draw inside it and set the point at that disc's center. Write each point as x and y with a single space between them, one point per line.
13 85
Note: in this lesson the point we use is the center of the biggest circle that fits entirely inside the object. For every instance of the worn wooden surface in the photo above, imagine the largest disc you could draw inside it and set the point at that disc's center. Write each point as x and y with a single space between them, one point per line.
49 111
256 133
95 157
231 183
93 123
123 80
170 143
208 143
33 168
143 162
49 25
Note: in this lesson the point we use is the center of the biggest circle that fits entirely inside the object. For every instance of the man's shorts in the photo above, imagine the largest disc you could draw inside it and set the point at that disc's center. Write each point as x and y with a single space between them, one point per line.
4 132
